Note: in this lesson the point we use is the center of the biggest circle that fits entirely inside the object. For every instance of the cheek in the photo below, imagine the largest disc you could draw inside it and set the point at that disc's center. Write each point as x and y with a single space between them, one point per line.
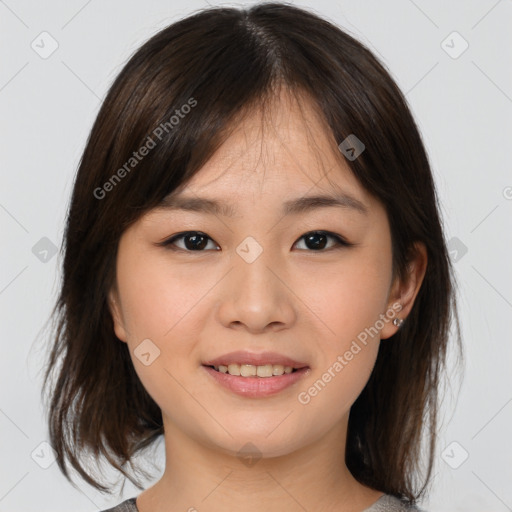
348 303
349 297
349 308
166 305
158 305
329 396
156 298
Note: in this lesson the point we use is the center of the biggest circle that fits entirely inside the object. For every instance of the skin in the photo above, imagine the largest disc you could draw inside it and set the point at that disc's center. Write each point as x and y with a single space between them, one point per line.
304 303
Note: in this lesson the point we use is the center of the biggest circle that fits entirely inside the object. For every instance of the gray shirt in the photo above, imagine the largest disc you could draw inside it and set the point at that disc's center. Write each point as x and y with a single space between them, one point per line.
385 503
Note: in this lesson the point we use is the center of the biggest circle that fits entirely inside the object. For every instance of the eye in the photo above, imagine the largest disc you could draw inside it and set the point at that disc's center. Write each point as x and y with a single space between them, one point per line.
196 241
193 241
317 240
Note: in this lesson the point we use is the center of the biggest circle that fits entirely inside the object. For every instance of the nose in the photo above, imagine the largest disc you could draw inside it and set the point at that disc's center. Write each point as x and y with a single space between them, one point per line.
256 296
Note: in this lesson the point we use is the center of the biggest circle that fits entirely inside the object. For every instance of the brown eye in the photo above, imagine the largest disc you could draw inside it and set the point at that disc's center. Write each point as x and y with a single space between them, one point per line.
318 240
192 241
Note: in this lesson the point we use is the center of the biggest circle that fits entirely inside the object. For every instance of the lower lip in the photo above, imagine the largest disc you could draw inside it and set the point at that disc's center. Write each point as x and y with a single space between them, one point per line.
257 387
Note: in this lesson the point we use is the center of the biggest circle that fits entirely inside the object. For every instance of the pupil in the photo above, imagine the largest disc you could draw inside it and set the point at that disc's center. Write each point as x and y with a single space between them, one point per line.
194 244
316 244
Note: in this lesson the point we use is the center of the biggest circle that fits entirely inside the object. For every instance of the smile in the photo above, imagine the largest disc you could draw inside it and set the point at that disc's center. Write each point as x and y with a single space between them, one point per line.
254 381
250 370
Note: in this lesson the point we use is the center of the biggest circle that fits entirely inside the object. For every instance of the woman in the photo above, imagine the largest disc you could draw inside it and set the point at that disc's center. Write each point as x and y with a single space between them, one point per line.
255 269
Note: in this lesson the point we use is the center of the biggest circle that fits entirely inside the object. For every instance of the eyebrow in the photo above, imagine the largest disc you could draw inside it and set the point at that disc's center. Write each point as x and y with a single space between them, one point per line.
290 207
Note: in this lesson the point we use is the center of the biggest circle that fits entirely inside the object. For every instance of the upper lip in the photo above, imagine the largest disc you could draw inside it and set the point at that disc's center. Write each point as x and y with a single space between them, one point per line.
256 359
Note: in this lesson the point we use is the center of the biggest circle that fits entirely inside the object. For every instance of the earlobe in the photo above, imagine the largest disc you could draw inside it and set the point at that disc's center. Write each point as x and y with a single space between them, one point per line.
117 318
404 291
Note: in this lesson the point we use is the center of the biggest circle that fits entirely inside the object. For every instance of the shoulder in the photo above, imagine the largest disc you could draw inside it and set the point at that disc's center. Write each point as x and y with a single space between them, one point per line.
126 506
389 503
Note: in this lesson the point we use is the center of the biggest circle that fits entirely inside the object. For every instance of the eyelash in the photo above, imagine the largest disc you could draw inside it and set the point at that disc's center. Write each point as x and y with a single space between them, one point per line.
340 241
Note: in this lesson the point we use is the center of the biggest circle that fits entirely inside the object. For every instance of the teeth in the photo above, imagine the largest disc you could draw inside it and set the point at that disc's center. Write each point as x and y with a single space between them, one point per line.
249 370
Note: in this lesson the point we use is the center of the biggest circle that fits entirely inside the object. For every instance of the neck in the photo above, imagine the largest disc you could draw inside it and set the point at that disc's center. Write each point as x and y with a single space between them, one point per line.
199 477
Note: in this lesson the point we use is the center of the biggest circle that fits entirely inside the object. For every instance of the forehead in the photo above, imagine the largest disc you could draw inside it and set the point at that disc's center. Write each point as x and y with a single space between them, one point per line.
284 145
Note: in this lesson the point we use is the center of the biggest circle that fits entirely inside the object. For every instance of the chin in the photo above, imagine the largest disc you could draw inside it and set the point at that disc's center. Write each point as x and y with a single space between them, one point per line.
266 442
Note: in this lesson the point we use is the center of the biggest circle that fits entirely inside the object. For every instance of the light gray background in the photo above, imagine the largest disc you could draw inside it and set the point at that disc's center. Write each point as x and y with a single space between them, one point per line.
463 106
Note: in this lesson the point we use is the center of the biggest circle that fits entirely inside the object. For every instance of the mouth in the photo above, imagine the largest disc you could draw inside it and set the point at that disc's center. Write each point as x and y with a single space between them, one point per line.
251 381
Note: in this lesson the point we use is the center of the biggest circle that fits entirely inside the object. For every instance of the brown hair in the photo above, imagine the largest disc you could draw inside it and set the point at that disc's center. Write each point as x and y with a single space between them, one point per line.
220 62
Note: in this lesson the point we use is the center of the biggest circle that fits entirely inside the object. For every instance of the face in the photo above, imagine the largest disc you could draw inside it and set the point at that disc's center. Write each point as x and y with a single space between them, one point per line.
310 283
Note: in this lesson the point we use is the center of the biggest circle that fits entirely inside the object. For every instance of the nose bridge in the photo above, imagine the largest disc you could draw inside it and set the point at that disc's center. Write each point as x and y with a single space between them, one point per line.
253 262
255 296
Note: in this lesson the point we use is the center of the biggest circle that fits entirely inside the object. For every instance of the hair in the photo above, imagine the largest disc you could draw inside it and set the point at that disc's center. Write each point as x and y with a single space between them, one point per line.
178 95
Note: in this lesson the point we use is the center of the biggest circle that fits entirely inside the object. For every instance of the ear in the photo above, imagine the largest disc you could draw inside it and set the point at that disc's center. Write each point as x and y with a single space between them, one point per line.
117 316
404 291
